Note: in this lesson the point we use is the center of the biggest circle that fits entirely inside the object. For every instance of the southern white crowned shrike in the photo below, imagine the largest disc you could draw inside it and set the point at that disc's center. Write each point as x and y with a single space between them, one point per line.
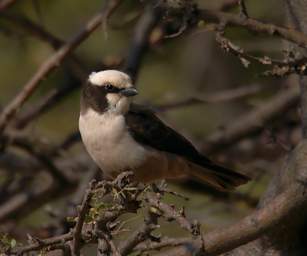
121 136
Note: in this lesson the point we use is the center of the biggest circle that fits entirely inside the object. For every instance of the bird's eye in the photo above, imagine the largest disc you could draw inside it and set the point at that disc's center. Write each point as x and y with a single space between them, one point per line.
109 87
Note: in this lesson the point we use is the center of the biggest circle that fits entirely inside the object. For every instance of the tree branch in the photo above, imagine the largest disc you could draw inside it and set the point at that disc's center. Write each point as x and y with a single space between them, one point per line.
84 208
255 26
213 98
140 40
252 121
50 64
303 104
249 228
5 4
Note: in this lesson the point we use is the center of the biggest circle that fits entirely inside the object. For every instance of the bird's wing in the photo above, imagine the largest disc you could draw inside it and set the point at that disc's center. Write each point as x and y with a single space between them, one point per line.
147 129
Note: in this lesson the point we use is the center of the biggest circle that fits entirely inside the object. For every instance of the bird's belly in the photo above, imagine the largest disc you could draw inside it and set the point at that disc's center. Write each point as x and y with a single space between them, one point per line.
109 143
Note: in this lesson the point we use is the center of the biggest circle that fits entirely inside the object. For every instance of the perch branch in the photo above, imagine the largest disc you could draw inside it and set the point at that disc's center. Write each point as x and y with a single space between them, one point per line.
249 228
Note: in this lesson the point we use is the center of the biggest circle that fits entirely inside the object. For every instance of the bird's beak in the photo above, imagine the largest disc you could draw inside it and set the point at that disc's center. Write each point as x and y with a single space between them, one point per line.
129 92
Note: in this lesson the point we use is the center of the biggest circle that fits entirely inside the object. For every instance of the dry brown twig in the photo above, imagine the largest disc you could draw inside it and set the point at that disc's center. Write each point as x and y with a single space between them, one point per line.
242 8
140 235
140 41
227 5
213 98
277 68
82 211
255 26
5 4
74 66
50 64
127 197
252 121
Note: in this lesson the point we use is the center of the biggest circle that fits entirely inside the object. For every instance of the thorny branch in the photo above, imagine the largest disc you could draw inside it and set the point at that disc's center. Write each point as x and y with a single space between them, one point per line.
130 196
142 234
84 208
127 196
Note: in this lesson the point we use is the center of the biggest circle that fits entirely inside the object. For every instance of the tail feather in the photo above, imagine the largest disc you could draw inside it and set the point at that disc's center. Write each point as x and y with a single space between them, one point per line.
219 177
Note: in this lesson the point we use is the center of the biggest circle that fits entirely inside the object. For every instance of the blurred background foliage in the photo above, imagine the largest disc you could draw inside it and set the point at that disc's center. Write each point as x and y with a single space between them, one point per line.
189 65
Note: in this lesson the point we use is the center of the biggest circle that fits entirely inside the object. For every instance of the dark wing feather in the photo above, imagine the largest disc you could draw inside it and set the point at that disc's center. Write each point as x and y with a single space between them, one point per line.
147 129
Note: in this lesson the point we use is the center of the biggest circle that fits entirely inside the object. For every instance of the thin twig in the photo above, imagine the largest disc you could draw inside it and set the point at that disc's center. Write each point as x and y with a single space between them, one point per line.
40 151
140 40
5 4
44 243
226 5
243 9
84 208
255 26
217 97
303 105
252 121
70 140
140 235
163 243
50 64
171 214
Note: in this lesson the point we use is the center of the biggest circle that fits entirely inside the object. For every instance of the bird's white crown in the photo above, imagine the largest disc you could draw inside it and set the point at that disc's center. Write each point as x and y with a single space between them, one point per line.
114 77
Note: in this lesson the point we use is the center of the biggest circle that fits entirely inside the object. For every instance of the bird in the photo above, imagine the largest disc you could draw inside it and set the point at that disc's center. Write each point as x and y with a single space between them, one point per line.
120 136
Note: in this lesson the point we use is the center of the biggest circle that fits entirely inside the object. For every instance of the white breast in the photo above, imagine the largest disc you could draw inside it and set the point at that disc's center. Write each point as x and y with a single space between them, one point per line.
107 140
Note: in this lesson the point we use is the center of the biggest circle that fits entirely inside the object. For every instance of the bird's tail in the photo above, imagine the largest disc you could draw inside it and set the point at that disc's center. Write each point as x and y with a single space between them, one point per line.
217 176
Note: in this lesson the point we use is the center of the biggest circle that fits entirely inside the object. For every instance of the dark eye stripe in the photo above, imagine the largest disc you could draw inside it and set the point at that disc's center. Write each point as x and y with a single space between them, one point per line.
110 88
107 88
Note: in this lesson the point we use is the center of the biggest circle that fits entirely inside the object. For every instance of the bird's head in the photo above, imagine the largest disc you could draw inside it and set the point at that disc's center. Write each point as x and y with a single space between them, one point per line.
110 90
